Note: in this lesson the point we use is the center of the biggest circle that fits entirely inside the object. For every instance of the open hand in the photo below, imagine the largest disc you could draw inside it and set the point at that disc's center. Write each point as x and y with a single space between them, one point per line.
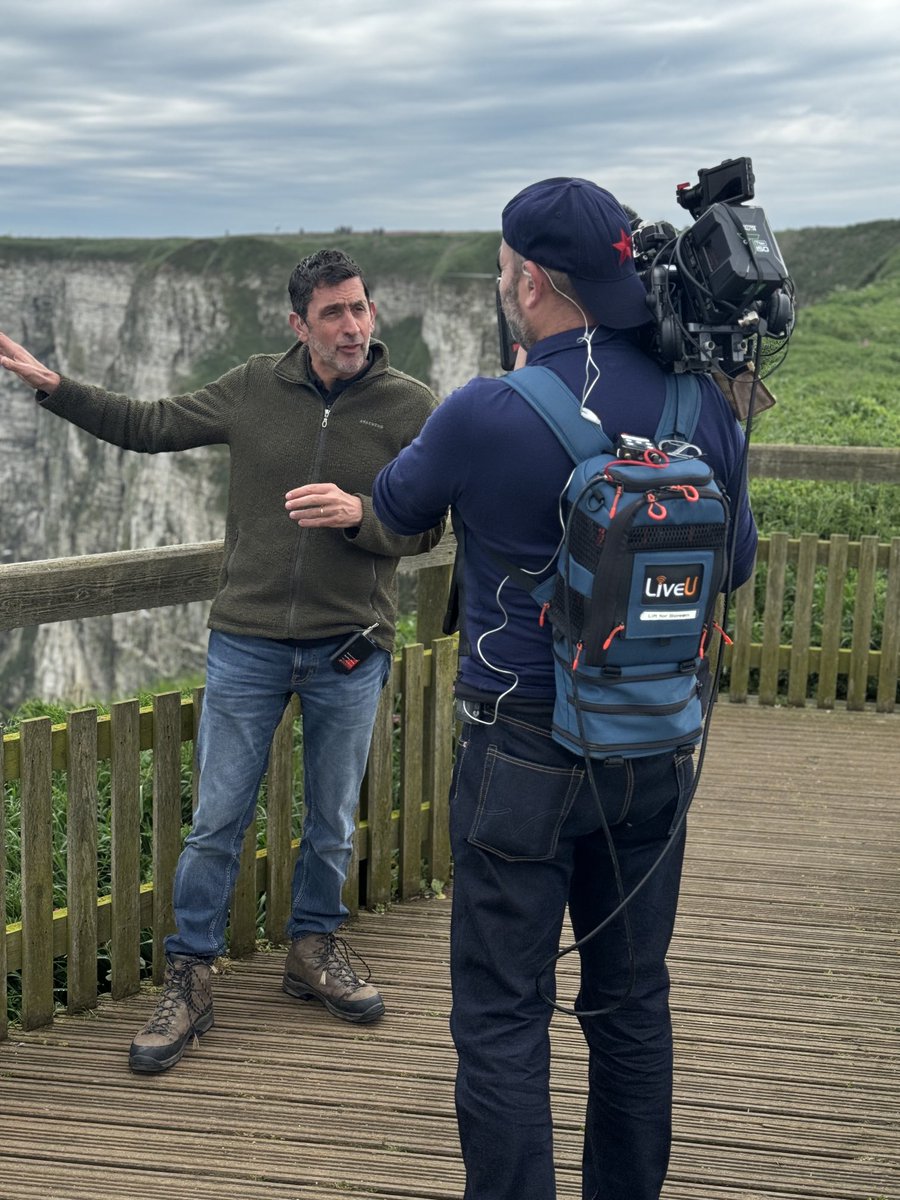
16 358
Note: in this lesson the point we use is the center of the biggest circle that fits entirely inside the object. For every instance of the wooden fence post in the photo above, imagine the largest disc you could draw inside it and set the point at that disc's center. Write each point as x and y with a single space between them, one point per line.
411 770
863 611
125 824
443 669
3 972
166 836
380 803
37 873
432 590
832 620
890 635
773 614
279 809
81 861
804 591
739 659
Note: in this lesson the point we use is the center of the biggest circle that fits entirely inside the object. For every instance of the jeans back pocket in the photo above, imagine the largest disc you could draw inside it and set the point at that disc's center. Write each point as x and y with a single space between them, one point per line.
522 806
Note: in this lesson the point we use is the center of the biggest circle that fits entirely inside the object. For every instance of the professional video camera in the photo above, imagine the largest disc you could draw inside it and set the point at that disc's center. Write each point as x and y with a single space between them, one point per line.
715 288
719 285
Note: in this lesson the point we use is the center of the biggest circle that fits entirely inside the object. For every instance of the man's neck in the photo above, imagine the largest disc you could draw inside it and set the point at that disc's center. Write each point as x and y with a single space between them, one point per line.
559 321
338 384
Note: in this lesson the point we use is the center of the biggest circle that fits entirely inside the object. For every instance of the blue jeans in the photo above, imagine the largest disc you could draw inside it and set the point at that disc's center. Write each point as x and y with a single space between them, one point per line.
527 840
249 683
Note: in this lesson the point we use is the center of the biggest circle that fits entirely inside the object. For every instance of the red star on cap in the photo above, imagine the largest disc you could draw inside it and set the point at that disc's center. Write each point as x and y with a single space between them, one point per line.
623 245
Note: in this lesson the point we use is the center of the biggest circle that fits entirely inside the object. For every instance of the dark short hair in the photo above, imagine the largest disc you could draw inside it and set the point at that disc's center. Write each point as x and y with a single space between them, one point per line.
324 267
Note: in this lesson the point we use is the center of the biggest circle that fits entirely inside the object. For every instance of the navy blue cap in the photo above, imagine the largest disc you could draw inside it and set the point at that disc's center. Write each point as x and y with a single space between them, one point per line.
572 225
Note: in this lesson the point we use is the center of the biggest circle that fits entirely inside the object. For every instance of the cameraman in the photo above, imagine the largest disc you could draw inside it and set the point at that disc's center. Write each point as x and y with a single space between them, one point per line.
574 301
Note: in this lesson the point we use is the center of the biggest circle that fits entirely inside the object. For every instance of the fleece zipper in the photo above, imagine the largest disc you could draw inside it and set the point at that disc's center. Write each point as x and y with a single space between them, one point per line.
304 533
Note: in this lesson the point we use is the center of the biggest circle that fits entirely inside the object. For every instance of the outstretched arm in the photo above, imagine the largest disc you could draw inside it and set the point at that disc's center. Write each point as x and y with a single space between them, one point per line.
16 358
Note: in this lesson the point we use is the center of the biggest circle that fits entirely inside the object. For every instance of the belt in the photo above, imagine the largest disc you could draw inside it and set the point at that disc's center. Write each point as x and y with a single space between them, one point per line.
486 711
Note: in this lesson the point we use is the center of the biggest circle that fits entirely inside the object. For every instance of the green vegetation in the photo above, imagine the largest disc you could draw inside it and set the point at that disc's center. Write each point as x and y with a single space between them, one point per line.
838 384
429 256
125 250
825 260
838 387
822 260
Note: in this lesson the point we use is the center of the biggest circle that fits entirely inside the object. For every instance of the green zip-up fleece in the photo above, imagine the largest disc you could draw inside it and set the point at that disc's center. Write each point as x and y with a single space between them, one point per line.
278 580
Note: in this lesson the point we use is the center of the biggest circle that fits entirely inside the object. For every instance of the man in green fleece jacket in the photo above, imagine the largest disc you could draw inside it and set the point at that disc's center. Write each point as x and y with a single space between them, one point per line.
307 566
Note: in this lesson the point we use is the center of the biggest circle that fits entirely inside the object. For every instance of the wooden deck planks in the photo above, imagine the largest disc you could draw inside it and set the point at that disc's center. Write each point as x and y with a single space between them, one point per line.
786 991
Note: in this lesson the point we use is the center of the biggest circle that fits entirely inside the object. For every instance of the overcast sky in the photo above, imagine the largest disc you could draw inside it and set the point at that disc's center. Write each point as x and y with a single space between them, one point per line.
193 117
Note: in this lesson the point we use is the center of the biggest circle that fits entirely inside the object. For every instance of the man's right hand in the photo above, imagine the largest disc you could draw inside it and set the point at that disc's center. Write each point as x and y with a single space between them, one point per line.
16 358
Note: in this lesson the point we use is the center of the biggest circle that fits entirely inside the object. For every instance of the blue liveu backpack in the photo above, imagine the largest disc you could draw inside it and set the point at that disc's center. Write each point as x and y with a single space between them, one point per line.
642 561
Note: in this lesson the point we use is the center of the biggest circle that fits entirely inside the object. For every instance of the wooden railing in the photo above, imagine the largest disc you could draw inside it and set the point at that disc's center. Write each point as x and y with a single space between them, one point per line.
404 803
836 583
826 588
64 589
842 577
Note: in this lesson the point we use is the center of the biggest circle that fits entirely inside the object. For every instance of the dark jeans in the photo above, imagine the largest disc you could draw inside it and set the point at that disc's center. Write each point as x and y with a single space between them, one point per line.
528 840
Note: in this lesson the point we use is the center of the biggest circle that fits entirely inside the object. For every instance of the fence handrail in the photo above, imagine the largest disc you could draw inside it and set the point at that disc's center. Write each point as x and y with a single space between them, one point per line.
96 585
831 464
62 589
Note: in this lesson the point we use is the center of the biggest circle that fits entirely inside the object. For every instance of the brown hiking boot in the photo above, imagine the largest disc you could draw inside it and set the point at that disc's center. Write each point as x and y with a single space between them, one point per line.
318 968
184 1011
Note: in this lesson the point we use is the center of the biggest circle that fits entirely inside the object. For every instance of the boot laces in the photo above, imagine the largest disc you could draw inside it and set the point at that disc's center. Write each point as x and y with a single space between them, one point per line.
334 957
177 988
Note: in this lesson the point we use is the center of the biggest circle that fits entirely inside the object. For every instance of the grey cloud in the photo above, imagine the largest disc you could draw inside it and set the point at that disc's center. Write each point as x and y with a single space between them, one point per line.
178 118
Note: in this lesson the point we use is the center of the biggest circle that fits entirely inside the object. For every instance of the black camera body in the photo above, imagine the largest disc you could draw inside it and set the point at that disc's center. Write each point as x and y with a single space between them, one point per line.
720 284
714 290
